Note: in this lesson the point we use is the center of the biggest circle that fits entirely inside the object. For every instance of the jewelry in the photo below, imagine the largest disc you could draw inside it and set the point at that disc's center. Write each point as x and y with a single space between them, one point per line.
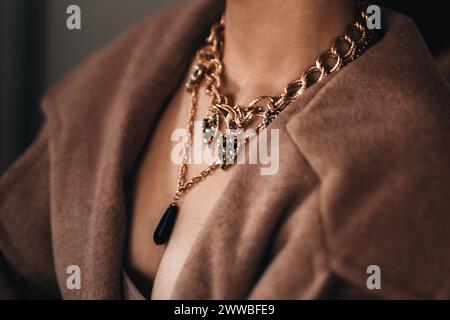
222 112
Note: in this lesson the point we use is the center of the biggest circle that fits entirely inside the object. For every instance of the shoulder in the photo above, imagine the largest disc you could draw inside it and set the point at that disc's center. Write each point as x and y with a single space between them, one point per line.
391 100
377 136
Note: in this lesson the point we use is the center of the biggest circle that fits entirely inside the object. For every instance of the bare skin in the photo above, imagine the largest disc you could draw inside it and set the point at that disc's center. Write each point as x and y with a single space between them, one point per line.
297 31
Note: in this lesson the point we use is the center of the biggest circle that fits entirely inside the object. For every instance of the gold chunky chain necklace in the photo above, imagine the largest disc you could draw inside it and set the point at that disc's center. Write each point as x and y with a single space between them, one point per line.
223 113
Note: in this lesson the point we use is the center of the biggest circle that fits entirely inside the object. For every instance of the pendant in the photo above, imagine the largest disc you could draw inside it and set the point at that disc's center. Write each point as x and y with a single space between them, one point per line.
210 128
165 225
228 149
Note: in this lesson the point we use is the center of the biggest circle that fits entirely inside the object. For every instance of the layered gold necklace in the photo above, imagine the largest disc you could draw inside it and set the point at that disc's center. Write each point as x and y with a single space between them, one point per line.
223 113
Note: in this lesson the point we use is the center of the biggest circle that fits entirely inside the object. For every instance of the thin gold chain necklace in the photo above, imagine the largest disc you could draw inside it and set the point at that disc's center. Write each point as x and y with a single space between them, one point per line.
208 72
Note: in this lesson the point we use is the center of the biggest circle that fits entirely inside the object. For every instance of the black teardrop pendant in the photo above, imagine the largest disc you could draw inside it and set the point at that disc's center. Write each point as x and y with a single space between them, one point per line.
165 225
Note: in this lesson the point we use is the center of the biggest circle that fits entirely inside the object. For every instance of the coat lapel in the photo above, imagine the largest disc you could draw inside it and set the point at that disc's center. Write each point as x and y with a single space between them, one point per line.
102 115
377 136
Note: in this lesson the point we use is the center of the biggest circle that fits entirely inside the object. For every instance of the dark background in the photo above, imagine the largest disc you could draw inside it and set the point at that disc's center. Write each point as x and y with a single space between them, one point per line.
37 49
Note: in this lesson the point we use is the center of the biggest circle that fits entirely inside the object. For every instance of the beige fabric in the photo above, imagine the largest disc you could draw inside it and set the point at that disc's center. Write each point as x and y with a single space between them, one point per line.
364 178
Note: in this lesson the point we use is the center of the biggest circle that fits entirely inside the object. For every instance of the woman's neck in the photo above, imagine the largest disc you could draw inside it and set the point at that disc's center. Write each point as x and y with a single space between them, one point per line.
269 43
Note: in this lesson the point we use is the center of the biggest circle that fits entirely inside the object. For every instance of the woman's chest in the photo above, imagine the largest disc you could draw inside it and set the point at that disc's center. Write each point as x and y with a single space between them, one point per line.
160 265
156 267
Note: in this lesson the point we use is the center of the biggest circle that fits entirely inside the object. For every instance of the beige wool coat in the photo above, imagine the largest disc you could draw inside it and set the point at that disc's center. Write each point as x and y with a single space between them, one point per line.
364 178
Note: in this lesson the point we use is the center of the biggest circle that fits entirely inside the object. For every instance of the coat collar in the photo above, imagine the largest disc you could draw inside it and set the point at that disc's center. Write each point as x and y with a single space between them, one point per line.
103 112
377 137
101 115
